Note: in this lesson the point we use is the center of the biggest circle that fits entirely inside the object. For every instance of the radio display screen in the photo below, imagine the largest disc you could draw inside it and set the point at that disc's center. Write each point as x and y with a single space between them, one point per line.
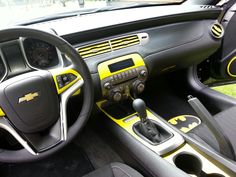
120 65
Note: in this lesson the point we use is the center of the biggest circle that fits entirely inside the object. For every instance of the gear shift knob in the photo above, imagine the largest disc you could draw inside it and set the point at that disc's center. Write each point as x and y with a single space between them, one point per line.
140 107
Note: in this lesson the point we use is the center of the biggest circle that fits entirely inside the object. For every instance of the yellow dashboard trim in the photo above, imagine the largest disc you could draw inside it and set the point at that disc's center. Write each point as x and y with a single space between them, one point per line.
62 71
228 67
2 114
104 71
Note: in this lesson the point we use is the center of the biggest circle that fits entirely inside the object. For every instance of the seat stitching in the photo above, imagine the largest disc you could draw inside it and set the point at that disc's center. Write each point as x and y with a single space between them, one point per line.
121 170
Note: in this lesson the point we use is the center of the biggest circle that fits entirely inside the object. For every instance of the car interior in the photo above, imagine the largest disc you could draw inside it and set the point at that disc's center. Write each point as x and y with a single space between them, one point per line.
120 92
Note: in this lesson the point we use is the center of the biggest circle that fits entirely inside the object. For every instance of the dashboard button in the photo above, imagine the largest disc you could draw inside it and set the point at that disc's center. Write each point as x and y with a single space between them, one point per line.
107 86
143 73
119 76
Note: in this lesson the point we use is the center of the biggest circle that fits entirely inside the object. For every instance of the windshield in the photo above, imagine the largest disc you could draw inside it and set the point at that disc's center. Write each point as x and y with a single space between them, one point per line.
16 11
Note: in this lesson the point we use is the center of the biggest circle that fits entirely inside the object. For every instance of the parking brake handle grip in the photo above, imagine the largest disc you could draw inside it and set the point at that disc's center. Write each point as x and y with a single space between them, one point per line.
223 141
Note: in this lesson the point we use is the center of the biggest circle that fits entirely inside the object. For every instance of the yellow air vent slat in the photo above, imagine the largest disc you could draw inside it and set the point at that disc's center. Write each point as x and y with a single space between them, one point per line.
217 30
94 49
124 42
108 46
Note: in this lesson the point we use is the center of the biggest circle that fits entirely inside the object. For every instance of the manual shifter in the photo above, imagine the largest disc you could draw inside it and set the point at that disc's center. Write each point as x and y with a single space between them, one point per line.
146 127
140 107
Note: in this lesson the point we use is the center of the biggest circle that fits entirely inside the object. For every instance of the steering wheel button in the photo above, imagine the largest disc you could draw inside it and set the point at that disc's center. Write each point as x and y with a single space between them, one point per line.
60 84
59 79
65 78
72 77
67 83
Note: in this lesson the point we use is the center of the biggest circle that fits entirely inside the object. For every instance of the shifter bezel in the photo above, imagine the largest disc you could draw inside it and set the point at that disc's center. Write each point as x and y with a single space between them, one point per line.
129 121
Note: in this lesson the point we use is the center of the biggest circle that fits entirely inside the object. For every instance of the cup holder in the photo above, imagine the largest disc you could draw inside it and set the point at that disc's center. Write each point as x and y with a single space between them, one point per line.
191 164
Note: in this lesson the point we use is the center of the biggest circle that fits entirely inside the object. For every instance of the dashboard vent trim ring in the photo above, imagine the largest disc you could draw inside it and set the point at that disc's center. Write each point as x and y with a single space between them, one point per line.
217 30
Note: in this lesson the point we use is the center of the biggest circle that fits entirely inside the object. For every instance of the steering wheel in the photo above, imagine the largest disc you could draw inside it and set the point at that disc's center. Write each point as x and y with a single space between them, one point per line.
33 104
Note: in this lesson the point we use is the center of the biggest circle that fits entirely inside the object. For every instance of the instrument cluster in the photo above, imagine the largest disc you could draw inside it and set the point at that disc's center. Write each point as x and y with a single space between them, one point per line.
40 54
19 56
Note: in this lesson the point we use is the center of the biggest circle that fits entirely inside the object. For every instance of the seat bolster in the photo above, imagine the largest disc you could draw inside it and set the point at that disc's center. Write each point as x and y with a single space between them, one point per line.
114 170
105 171
122 170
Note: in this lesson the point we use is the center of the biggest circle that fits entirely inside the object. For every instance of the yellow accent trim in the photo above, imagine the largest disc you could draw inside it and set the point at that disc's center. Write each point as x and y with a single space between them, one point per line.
2 114
77 92
120 40
57 72
127 123
173 121
93 54
94 46
124 45
217 28
207 166
94 51
215 32
104 71
190 127
228 67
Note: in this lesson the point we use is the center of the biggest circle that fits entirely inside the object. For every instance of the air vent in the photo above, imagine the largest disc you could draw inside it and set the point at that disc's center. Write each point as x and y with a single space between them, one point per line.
217 30
94 49
113 44
207 7
124 42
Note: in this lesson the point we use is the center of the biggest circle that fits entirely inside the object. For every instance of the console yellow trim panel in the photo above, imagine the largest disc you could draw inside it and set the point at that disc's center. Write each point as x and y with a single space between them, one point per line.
207 166
104 71
127 124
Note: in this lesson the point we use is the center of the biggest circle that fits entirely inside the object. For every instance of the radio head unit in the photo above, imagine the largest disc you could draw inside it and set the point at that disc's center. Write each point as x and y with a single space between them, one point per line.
121 76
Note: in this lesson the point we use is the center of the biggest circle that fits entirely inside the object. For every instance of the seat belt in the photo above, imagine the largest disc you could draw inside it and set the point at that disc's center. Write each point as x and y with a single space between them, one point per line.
225 145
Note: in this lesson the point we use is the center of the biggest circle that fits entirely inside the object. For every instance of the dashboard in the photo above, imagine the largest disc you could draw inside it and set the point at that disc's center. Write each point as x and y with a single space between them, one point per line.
166 40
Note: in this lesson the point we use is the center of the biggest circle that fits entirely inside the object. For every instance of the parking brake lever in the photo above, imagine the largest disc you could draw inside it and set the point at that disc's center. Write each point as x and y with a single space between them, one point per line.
225 145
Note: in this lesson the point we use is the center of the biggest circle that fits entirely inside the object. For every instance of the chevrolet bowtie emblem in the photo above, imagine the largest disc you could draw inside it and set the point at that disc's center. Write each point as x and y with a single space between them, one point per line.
28 97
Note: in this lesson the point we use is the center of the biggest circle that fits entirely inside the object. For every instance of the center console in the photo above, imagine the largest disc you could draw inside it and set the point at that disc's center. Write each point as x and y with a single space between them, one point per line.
122 76
122 79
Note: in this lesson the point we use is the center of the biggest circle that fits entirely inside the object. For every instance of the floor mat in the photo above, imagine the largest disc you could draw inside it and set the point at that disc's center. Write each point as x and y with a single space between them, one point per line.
98 150
185 123
70 162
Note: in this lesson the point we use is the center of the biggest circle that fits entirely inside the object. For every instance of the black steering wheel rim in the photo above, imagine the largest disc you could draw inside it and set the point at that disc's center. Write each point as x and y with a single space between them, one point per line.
88 92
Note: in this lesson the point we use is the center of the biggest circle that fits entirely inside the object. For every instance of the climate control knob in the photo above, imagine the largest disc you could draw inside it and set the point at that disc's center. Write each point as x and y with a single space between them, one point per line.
107 85
143 73
138 87
115 95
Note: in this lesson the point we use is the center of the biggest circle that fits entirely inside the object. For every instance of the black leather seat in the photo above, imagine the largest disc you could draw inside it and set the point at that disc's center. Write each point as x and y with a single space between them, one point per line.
114 170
